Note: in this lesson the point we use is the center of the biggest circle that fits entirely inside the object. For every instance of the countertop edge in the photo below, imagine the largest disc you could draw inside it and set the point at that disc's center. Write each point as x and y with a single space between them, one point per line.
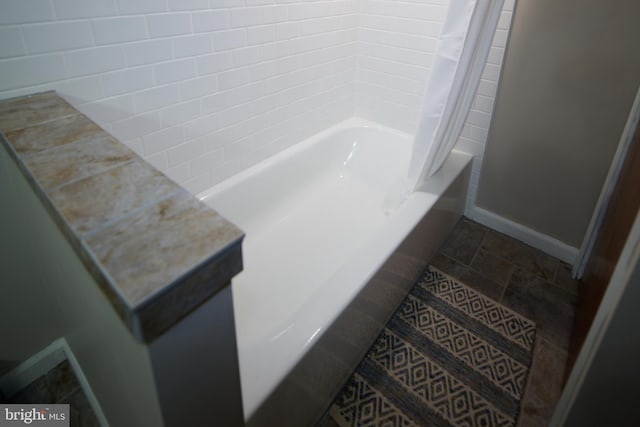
153 316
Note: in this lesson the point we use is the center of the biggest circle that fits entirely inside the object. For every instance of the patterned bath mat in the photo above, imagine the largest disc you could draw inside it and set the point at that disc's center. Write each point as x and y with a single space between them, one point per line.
448 357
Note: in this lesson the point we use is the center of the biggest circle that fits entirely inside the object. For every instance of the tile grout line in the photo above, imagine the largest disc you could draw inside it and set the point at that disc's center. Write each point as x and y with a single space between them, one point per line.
475 253
528 385
506 285
512 268
555 346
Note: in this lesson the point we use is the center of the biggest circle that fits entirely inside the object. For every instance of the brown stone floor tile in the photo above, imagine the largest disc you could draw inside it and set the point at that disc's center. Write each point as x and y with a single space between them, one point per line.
62 381
60 385
544 385
549 306
528 421
36 392
482 284
464 241
521 254
52 387
449 266
327 421
525 281
83 410
565 280
492 266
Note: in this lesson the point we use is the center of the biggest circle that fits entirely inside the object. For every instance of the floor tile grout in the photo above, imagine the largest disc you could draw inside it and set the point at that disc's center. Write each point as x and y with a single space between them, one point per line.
554 345
475 254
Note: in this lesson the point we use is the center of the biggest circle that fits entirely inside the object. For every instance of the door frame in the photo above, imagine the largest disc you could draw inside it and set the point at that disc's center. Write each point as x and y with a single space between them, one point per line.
588 243
627 266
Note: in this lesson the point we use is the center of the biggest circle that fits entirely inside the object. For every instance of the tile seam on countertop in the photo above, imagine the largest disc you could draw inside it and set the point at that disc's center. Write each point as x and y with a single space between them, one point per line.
160 288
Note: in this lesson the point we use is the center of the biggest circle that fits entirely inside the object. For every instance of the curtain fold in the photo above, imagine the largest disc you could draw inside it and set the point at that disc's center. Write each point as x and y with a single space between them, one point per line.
458 64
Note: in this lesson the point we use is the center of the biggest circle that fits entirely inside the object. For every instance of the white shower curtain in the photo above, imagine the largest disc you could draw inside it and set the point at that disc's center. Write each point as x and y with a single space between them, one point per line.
458 63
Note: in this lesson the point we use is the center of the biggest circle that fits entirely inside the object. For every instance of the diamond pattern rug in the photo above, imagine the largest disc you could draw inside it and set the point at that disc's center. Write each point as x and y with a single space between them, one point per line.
449 356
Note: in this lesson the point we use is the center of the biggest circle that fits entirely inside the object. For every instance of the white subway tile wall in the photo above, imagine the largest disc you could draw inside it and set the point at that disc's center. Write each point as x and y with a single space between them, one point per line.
396 42
205 88
476 129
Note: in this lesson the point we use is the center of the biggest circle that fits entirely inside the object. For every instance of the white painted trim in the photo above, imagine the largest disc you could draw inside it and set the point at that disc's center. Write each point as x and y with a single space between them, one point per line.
627 267
546 244
40 364
608 187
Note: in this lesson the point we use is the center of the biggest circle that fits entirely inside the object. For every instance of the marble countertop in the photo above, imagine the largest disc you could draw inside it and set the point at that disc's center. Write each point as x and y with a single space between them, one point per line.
154 249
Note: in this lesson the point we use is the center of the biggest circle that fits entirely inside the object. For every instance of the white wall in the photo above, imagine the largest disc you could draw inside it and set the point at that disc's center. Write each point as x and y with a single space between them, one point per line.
204 88
396 41
47 294
201 89
571 74
476 129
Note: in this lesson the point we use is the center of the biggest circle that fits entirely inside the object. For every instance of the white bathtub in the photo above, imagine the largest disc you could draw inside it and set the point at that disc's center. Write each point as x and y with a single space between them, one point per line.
319 237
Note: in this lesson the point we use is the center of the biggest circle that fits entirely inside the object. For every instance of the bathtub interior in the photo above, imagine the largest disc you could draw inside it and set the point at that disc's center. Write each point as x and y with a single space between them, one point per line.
304 213
359 152
317 229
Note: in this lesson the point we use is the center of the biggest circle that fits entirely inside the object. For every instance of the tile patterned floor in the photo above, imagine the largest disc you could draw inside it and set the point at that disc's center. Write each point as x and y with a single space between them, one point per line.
530 282
464 357
59 385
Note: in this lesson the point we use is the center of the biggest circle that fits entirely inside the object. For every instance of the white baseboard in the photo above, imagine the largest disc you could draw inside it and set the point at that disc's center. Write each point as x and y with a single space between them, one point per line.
41 363
546 244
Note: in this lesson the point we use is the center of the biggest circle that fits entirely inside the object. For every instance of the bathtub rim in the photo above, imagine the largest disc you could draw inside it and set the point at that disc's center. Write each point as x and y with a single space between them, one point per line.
351 123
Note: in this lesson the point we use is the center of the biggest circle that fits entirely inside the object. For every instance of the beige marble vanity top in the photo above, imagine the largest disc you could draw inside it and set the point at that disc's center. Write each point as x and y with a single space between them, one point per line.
155 250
